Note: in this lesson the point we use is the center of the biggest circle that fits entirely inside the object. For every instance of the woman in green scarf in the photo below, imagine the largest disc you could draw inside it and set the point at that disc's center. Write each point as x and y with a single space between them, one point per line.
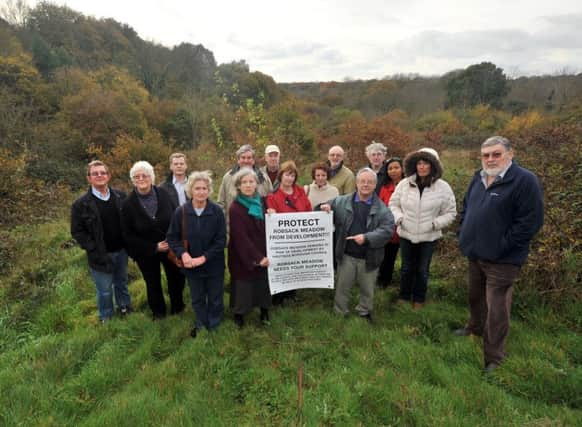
247 249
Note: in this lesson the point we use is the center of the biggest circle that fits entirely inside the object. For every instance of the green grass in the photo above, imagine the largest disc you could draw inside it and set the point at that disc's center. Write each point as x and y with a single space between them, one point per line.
59 366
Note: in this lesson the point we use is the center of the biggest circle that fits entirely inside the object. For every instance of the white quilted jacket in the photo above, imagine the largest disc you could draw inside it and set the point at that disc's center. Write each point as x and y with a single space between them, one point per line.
421 219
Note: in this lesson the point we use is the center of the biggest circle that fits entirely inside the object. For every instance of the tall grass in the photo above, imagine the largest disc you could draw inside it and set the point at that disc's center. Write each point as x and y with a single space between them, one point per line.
59 366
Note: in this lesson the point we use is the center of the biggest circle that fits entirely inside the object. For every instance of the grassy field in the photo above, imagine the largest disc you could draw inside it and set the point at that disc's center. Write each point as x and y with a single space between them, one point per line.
59 366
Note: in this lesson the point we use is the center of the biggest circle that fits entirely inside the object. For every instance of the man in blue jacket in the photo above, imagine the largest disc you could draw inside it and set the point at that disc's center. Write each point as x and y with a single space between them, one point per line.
502 211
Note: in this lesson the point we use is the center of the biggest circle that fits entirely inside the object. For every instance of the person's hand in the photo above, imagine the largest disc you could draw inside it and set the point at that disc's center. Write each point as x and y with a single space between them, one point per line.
264 262
198 261
271 211
325 207
187 260
360 239
163 246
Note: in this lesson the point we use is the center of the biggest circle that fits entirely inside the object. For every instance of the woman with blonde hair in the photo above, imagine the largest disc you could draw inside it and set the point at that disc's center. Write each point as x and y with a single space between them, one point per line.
203 258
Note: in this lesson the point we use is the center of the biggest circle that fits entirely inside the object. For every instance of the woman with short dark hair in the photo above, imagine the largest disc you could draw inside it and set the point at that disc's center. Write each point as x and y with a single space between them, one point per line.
320 191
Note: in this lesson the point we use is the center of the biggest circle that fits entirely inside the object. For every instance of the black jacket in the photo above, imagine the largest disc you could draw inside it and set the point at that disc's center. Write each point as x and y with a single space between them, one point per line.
168 185
142 232
87 229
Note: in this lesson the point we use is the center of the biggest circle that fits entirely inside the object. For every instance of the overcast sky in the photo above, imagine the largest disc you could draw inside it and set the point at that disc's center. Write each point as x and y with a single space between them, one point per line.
304 40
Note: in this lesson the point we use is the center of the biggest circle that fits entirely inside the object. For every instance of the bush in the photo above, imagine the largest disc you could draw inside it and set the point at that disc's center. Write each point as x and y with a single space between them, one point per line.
554 154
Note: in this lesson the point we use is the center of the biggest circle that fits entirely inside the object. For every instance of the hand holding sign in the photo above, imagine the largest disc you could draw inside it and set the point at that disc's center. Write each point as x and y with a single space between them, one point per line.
360 239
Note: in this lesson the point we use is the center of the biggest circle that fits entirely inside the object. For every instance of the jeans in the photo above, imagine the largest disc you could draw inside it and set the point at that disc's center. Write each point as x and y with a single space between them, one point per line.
490 296
387 267
414 273
350 271
109 283
207 300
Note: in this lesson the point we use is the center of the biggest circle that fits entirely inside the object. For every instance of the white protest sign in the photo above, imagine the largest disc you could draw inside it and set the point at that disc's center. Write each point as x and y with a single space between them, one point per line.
300 250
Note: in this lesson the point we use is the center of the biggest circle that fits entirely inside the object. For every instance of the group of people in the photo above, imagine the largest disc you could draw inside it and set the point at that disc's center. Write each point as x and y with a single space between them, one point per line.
389 204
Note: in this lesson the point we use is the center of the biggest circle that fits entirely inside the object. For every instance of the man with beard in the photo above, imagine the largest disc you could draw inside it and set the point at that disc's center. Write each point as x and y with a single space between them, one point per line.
502 211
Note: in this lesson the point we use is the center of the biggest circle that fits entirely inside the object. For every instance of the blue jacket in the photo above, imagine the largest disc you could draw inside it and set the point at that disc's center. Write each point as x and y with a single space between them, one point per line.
206 235
498 222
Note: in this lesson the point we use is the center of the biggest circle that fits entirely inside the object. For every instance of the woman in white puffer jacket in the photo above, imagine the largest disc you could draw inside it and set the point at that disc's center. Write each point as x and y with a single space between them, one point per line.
422 204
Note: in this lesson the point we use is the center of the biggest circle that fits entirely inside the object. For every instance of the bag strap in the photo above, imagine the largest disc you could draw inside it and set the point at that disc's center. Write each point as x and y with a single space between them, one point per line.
184 240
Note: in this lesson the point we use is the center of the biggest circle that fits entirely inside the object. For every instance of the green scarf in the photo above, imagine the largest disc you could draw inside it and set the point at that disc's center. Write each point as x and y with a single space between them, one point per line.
253 204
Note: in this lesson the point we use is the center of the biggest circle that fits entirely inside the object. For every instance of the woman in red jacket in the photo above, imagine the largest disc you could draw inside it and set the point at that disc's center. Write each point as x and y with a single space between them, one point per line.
394 174
289 197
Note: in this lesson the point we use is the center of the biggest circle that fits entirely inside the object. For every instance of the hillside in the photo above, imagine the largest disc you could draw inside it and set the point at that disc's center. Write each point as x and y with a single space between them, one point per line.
417 95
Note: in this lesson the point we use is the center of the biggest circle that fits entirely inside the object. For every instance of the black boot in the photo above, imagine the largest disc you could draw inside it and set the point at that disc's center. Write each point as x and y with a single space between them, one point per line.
239 320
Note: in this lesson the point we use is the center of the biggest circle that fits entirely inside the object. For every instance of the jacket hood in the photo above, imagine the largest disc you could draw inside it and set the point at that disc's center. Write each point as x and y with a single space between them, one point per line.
410 161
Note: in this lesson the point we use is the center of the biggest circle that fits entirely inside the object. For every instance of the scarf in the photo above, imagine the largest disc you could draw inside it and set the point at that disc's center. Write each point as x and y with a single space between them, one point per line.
253 204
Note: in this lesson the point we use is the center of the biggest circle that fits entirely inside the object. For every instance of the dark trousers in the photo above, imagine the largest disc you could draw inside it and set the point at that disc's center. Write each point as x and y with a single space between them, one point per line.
150 268
207 300
386 269
414 273
252 293
490 295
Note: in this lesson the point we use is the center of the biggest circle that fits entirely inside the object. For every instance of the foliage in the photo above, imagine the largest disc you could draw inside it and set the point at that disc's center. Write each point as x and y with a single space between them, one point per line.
354 133
25 199
482 83
554 153
108 104
522 123
128 149
444 122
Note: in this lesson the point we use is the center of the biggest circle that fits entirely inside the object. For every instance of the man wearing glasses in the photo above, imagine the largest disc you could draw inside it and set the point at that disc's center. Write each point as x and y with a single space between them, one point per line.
502 211
96 226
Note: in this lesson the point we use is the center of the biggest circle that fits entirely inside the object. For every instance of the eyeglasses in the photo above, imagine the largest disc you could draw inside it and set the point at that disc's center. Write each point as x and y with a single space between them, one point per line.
99 173
494 155
140 176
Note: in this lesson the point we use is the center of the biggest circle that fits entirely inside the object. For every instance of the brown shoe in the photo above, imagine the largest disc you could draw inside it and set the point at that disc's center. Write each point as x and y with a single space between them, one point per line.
417 305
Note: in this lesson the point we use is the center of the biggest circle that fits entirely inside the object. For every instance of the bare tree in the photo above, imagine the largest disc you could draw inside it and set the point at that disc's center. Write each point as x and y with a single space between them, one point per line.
15 12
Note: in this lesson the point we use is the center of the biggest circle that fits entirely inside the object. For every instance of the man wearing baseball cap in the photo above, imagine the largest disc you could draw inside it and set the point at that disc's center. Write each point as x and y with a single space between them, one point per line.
271 168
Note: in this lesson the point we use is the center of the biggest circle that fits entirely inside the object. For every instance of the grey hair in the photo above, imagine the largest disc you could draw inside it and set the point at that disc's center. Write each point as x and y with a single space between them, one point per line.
367 169
195 176
376 147
243 149
495 140
146 167
239 175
